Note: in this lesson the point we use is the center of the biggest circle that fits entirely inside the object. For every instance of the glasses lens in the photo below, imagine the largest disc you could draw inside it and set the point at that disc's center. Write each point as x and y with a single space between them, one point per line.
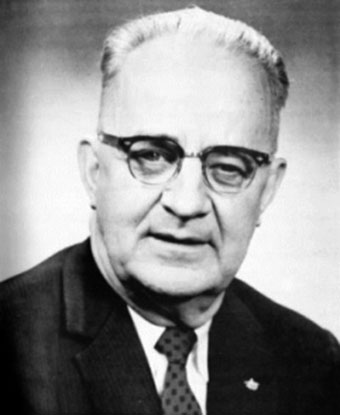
153 161
229 172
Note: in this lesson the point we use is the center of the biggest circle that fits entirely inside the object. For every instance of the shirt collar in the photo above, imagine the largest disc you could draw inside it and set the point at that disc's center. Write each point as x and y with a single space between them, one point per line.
149 334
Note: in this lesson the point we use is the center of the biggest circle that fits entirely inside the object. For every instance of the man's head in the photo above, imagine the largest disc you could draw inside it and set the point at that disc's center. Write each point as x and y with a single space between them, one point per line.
197 98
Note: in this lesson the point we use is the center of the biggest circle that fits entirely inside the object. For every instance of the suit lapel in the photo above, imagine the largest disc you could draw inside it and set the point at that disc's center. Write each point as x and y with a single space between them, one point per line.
242 378
112 365
116 372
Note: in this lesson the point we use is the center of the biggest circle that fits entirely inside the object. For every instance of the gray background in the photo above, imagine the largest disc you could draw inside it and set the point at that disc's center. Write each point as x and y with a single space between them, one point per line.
49 83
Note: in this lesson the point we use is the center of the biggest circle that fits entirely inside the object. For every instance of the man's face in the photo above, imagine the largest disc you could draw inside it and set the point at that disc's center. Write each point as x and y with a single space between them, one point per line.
182 238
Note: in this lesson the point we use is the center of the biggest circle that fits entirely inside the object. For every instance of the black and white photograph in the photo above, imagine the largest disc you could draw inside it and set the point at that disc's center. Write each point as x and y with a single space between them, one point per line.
170 220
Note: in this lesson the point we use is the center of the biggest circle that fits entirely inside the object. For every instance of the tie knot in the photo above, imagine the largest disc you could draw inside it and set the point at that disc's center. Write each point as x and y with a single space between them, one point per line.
176 343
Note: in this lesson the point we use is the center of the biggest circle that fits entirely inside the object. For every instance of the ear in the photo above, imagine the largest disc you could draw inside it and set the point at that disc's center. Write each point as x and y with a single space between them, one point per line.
276 174
89 169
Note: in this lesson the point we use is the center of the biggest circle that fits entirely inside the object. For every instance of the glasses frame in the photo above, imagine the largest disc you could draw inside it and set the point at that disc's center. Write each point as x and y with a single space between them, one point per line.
125 143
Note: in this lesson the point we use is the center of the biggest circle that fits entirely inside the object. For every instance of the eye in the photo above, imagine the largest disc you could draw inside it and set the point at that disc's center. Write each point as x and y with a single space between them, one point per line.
151 151
150 157
147 155
228 165
226 174
228 169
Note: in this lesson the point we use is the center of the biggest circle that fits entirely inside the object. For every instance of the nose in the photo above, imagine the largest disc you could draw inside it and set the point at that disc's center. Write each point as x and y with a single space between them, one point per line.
186 195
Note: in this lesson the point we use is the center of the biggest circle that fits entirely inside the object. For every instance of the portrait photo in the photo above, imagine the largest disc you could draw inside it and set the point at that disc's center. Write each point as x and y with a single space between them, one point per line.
170 192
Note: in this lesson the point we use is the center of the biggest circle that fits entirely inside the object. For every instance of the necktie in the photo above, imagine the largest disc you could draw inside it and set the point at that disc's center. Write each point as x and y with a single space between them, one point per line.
177 397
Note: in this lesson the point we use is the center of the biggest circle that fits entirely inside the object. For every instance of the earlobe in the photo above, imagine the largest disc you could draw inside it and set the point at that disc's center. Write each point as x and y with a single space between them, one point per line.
277 172
89 169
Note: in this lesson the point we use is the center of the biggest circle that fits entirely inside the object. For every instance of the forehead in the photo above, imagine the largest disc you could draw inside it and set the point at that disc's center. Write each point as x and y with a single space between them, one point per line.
189 88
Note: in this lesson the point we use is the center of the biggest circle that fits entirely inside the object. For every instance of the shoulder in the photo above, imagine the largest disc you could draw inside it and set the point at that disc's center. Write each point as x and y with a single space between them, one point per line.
287 330
304 356
38 287
33 280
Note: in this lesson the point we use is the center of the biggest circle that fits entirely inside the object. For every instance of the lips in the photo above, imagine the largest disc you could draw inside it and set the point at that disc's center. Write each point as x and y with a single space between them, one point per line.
186 240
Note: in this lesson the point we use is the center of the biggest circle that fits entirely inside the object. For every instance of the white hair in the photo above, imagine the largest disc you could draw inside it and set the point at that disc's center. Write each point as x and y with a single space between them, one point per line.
195 22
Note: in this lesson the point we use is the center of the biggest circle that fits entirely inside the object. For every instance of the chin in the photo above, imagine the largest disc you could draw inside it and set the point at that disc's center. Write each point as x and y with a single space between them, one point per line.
175 281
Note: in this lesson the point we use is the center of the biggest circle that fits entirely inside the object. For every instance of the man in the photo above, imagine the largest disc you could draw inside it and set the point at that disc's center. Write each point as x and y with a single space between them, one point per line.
147 317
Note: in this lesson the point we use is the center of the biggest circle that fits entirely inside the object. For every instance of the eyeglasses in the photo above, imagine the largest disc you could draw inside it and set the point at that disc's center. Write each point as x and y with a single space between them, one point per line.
157 160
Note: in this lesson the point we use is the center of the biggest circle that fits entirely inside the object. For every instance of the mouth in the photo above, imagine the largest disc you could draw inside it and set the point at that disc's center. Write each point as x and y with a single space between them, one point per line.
179 240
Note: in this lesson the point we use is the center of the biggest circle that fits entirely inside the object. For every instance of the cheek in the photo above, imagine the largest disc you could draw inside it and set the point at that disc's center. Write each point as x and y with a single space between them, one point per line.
123 209
237 218
116 196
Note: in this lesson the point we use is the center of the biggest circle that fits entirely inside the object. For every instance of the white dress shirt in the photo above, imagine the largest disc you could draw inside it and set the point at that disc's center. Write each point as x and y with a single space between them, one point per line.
197 363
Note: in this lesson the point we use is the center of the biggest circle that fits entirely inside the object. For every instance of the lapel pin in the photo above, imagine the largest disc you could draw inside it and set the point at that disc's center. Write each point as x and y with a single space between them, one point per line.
251 384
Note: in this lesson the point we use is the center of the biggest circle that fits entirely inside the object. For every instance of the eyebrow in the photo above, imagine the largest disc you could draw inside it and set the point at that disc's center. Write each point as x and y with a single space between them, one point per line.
142 136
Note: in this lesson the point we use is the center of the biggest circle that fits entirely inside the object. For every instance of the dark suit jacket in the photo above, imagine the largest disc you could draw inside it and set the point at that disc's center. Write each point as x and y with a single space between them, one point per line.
68 346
